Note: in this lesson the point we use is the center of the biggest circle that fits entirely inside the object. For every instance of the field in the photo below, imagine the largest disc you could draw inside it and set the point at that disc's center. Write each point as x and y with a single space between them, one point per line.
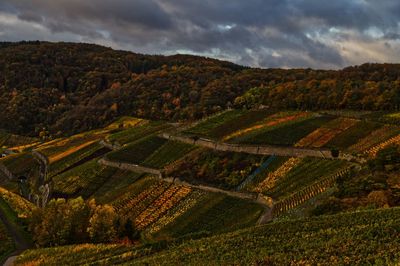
284 134
363 238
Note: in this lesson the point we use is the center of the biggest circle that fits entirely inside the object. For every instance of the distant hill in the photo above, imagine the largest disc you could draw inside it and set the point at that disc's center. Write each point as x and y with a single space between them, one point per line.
65 88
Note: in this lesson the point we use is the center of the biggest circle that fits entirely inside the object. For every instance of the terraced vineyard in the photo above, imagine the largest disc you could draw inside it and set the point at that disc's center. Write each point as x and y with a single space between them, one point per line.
221 193
269 123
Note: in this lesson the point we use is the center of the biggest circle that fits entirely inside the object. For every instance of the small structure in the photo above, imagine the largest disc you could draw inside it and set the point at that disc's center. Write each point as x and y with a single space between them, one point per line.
5 153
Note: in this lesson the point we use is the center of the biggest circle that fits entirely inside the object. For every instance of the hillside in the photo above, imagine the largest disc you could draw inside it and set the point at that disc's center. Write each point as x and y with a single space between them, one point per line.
64 88
233 170
110 157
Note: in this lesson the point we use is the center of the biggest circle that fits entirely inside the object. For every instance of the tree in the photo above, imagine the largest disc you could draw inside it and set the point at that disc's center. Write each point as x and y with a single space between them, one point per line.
101 224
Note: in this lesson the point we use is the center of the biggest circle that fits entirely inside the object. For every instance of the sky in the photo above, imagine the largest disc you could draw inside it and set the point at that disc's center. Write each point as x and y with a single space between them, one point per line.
259 33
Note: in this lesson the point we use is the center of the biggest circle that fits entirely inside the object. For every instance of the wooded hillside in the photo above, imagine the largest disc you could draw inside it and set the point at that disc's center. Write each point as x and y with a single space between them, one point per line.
64 88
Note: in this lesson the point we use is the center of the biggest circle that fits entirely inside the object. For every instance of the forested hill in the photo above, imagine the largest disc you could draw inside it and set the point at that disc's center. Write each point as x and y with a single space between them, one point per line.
65 88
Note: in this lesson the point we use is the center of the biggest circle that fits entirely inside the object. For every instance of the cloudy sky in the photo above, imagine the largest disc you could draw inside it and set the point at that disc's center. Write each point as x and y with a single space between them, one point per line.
262 33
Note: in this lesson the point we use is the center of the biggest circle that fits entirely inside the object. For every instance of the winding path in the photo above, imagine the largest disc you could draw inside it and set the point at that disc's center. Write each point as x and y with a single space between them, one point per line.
258 198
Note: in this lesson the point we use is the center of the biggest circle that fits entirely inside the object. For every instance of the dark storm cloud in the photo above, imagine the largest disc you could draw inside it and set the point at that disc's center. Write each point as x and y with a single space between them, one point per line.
267 33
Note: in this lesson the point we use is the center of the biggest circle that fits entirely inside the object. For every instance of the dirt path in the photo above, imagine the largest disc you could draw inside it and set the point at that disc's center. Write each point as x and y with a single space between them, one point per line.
21 244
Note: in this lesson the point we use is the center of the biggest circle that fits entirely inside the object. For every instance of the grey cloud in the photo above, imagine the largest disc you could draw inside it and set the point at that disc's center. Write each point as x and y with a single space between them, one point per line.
266 33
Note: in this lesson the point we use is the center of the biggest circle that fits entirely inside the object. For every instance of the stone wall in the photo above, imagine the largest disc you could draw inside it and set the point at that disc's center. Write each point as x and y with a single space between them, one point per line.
131 167
253 149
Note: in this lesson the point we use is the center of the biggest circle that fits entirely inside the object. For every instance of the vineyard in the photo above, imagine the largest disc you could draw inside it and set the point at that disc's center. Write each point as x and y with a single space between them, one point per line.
369 237
272 177
151 204
374 150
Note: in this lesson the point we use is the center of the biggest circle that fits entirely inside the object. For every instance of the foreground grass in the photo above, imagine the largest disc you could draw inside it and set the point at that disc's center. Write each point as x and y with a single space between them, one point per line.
362 238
